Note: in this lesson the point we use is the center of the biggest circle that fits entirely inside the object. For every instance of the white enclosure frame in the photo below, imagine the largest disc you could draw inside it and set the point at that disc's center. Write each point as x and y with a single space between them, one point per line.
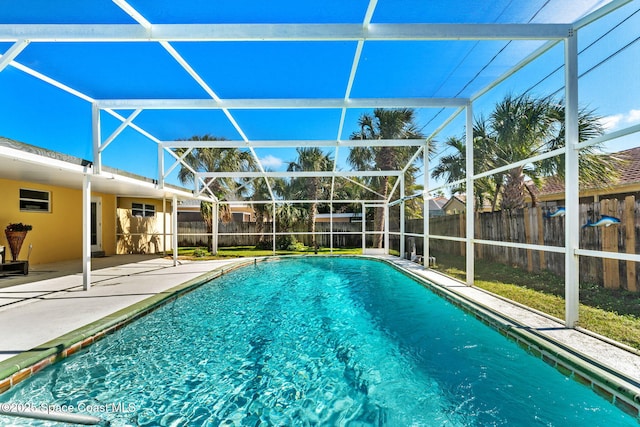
146 32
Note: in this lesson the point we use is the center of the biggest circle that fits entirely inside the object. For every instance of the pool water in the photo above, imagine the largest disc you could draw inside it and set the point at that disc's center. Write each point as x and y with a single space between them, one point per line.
313 342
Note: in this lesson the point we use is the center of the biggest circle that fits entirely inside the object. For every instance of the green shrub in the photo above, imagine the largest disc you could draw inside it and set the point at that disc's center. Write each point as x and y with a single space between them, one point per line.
200 252
283 242
265 244
296 247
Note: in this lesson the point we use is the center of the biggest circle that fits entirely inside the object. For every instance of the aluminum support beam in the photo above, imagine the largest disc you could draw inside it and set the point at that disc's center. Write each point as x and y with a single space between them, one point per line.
277 32
273 231
402 242
215 211
364 229
160 167
425 209
96 136
386 229
470 223
331 228
284 143
104 144
86 231
12 53
279 103
174 229
572 224
302 174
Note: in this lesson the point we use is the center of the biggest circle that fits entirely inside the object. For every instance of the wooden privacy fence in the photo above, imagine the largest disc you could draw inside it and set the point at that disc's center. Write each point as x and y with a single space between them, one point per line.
532 226
528 225
246 234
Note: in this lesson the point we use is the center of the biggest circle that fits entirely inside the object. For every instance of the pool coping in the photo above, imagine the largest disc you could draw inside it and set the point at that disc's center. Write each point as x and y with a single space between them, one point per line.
616 387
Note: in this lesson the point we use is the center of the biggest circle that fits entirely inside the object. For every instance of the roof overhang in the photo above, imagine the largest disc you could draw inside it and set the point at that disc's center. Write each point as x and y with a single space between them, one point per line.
21 162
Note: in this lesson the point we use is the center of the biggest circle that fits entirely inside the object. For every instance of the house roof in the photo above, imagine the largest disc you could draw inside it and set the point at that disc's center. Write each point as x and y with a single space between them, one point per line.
628 169
437 203
24 162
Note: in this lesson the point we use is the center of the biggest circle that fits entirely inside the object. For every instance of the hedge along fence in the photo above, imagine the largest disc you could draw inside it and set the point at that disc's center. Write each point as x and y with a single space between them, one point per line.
533 227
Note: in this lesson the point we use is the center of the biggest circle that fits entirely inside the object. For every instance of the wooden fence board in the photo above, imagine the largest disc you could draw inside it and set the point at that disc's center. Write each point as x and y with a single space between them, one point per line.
630 241
610 244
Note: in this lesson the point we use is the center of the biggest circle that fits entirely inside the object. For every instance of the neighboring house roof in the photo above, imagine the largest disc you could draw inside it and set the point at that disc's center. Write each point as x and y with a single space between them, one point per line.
24 162
458 199
628 179
437 203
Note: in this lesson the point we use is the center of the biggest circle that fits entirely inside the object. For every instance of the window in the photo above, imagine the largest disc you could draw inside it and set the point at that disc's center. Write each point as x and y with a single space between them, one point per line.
142 210
35 201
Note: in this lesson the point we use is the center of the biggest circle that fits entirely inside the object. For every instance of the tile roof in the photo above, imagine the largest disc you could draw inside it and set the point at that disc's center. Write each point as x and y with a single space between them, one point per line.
629 170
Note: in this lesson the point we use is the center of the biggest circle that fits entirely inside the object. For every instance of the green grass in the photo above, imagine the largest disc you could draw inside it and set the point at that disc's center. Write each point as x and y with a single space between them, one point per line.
612 313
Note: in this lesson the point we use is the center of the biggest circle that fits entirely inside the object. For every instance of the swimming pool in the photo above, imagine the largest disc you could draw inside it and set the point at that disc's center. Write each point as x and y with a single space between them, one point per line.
313 341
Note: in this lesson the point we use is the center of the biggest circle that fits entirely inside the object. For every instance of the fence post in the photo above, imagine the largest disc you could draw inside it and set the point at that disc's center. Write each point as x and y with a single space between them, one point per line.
630 240
610 244
478 234
462 227
543 263
526 216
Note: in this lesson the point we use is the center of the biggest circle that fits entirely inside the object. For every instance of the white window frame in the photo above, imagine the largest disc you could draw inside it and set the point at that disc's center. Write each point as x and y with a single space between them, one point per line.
46 201
143 210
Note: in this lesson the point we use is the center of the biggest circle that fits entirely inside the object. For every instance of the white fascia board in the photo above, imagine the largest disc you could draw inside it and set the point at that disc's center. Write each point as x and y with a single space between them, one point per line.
270 104
305 174
38 160
279 32
296 143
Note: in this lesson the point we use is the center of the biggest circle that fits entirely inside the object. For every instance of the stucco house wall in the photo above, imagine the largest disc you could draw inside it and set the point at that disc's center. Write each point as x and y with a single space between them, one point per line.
56 234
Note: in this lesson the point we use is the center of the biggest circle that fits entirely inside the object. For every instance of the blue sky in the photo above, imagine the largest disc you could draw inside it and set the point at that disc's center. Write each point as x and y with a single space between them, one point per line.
37 113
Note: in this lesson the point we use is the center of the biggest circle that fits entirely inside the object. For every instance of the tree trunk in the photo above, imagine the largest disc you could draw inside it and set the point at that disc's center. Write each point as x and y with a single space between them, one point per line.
513 196
378 223
260 224
313 211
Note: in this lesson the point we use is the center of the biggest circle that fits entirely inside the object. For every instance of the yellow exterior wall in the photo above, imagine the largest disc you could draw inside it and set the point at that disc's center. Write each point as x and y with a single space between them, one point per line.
108 223
147 235
56 235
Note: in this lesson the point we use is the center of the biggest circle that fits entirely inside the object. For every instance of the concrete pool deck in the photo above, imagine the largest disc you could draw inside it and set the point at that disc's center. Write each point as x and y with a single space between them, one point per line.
48 310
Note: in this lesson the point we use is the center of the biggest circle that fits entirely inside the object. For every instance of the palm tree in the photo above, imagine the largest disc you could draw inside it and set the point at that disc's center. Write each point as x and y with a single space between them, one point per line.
310 159
212 159
385 124
452 167
524 126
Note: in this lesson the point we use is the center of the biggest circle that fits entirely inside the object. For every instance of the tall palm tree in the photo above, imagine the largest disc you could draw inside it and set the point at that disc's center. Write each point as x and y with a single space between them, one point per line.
212 159
310 159
385 124
524 126
263 211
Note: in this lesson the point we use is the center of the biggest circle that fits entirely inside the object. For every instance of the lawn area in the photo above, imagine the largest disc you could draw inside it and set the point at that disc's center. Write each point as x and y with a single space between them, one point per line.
612 313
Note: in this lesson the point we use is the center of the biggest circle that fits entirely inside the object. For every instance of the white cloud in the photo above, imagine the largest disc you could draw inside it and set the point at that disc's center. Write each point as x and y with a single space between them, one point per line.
270 161
618 121
611 122
633 117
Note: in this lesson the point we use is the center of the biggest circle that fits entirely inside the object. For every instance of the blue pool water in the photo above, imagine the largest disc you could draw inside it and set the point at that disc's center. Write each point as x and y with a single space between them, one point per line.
314 342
